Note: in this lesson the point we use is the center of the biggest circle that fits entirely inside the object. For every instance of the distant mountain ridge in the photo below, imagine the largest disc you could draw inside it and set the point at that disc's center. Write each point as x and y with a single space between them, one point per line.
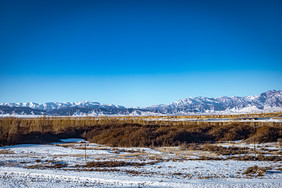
59 105
268 101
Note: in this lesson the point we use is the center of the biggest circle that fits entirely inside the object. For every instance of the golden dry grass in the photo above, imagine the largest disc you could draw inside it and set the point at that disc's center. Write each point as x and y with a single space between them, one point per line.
138 131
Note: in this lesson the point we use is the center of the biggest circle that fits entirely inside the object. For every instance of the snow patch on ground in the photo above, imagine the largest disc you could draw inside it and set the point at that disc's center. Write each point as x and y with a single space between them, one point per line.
34 165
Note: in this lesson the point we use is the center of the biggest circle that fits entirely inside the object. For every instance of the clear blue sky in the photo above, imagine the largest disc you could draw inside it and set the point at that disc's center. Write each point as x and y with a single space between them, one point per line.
138 53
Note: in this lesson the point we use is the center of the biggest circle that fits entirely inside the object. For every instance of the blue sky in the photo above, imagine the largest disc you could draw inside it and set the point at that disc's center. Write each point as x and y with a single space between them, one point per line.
138 53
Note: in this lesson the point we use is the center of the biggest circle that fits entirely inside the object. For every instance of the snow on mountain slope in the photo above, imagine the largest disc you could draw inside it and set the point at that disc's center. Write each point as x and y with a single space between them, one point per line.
61 105
268 101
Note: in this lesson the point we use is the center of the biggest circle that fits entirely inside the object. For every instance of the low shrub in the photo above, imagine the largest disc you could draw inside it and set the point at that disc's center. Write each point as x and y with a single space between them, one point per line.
255 170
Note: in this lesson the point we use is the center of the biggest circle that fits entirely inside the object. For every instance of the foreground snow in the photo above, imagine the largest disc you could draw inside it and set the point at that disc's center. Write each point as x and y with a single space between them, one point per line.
15 177
36 166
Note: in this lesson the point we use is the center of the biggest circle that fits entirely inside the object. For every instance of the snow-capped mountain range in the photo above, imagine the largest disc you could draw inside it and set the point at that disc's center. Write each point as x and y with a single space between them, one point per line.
60 105
267 101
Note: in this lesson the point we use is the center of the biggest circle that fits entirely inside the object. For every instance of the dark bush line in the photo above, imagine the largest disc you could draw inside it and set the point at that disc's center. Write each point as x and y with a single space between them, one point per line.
47 166
110 164
257 158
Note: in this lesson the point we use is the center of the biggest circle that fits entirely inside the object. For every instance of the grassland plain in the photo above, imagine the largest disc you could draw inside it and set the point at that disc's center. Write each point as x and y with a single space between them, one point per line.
142 131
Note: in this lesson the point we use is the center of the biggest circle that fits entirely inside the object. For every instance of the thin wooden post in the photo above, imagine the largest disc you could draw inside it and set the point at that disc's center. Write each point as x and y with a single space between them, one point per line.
255 141
85 151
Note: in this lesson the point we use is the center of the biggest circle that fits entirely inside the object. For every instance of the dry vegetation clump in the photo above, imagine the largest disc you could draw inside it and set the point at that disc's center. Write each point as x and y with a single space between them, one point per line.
6 151
128 150
52 165
110 164
266 134
280 142
58 165
233 131
260 157
94 169
255 170
203 157
220 150
132 172
190 146
269 158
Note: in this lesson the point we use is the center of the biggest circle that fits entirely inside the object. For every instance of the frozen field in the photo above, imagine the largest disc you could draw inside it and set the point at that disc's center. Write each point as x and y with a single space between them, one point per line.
65 164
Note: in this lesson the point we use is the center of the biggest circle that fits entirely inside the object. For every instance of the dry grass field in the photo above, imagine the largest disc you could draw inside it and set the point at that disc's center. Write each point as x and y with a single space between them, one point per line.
143 131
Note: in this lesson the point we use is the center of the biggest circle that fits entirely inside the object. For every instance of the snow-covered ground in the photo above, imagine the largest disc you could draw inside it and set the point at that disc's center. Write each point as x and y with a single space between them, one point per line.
216 119
68 164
